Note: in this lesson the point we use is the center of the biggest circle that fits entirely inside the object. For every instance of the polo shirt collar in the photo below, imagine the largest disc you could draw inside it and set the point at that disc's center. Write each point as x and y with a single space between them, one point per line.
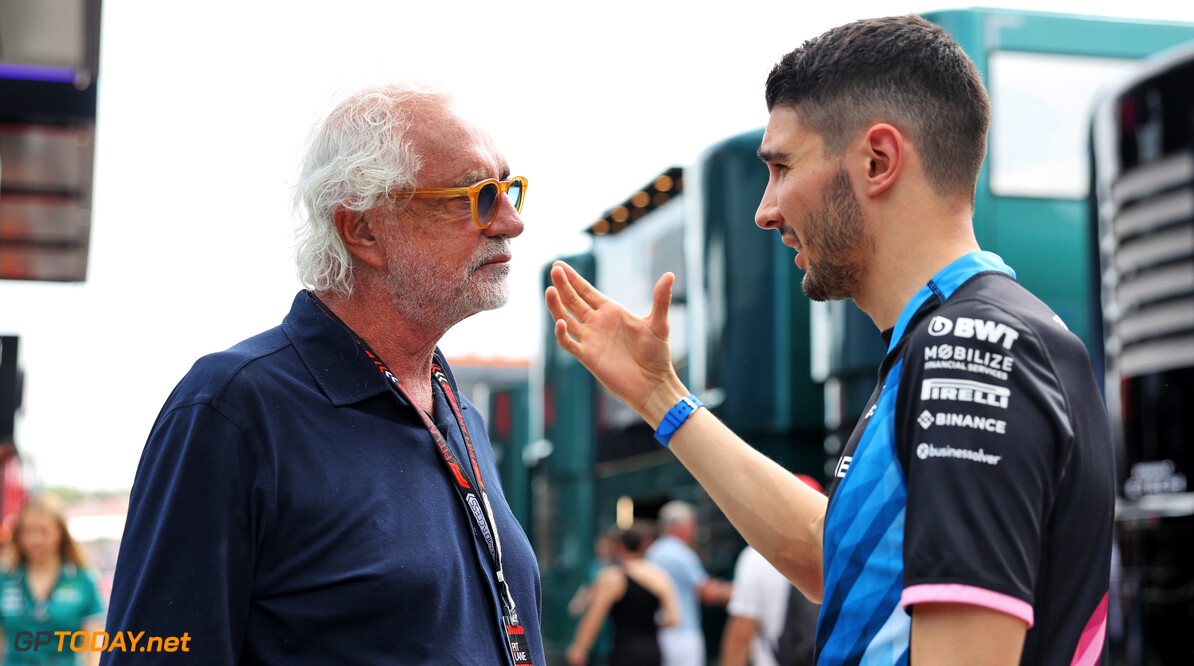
338 364
945 283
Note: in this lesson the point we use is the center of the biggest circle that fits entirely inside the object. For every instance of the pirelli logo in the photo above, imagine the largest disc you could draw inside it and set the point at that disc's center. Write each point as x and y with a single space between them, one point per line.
964 390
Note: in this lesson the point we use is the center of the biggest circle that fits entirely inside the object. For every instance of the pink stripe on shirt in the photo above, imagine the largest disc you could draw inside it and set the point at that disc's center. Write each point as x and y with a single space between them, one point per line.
968 594
1090 644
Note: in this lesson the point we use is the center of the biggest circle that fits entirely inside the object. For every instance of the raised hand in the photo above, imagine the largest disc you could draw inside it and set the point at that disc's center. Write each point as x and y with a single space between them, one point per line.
779 515
629 355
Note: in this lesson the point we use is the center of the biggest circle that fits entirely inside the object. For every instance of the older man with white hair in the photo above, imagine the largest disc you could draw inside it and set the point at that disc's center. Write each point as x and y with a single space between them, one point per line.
684 645
321 492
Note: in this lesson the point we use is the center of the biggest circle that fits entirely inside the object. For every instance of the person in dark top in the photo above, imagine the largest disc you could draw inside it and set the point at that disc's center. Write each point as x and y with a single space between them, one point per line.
970 516
638 596
321 493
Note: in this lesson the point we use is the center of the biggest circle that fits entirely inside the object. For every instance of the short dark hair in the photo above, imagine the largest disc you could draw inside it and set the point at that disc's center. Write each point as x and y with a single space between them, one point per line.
632 539
902 70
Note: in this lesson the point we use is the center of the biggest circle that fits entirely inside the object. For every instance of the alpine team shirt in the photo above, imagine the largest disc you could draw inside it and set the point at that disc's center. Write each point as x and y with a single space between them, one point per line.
981 473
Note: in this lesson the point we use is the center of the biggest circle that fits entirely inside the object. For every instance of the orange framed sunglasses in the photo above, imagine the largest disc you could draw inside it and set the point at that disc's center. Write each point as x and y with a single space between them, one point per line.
484 196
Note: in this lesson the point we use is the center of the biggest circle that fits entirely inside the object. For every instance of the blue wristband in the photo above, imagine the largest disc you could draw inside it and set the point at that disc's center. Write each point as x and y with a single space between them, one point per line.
676 417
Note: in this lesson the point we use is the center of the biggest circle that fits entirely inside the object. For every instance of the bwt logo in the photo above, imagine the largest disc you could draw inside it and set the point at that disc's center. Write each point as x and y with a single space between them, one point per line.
966 327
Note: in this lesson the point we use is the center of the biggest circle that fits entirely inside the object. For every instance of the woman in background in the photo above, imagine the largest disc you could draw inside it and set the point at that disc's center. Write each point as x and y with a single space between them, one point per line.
638 596
46 588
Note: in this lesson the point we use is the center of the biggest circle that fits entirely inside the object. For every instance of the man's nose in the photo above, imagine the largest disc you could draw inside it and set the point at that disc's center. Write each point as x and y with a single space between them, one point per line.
507 222
767 215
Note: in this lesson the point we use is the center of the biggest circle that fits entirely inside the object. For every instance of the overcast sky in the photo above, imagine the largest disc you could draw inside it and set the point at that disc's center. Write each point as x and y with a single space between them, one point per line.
203 111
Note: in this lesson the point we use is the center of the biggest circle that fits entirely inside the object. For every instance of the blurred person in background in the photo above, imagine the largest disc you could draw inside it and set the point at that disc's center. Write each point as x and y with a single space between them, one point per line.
638 596
47 587
684 645
602 557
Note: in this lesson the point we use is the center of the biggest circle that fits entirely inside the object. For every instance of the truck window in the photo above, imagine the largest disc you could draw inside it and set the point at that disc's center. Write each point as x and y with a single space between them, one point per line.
1038 145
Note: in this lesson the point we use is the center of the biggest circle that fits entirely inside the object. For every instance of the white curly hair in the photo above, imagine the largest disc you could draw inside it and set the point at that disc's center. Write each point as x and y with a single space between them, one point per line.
361 150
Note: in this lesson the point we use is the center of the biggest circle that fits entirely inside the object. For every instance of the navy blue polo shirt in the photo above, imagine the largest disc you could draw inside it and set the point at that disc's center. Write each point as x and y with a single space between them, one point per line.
288 508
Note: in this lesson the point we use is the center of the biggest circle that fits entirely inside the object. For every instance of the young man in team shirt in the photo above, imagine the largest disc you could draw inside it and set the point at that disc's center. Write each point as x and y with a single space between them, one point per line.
970 520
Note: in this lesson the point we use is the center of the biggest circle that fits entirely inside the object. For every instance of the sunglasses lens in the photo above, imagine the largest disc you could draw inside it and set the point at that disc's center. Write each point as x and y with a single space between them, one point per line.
515 194
487 203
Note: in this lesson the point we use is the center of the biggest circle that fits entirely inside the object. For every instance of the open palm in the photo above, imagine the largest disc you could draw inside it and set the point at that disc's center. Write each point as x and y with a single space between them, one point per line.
628 354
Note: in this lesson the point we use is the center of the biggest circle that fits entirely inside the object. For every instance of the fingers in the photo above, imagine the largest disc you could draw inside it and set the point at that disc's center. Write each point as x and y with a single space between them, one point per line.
555 306
568 328
661 300
571 300
555 297
576 294
566 304
564 340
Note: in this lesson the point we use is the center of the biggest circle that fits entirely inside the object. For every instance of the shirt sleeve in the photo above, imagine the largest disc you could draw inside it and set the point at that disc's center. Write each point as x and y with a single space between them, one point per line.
187 556
695 570
746 598
981 429
93 607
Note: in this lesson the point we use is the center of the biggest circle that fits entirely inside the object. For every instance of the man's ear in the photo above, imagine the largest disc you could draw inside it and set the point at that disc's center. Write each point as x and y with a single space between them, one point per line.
885 148
356 232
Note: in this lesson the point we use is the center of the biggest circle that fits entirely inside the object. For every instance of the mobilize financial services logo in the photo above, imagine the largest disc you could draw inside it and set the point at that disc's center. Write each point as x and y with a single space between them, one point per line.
946 356
980 329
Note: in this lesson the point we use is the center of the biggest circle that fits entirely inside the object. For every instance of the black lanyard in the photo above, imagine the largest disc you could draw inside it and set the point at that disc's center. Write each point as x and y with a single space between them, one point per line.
467 488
